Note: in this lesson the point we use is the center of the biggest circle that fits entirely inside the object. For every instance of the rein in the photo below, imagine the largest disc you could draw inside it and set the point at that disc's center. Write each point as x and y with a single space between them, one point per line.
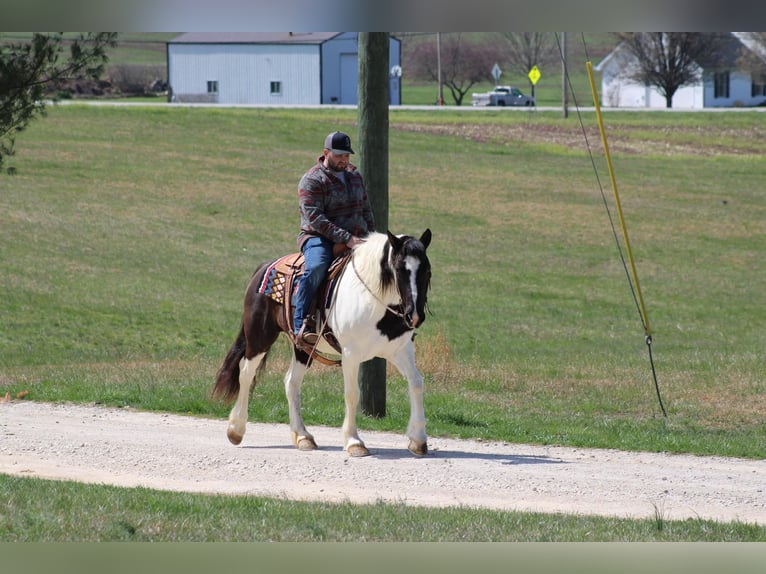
370 291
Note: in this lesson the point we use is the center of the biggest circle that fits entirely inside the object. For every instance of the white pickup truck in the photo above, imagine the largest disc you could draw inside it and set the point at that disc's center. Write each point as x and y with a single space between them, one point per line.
502 96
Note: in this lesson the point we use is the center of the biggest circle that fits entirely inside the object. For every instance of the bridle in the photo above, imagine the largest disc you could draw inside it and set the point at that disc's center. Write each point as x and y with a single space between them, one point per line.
399 314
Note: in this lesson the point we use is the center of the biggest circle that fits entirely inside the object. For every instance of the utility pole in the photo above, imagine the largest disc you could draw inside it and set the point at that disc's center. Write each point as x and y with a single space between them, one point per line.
564 87
439 68
373 97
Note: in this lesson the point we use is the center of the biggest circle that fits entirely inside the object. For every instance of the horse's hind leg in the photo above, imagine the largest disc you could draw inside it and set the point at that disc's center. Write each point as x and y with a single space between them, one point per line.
293 382
238 416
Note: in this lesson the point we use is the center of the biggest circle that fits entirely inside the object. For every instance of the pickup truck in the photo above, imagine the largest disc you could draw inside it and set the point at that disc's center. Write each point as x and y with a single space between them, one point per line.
502 96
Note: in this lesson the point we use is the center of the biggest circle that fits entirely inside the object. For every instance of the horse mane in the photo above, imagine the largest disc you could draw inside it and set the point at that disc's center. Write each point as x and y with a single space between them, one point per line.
370 261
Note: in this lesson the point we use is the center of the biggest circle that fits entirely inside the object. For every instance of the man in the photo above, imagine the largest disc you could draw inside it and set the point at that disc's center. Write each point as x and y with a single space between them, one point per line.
335 213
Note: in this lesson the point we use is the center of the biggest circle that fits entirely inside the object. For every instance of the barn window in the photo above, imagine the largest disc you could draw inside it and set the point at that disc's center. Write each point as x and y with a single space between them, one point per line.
276 88
212 86
721 85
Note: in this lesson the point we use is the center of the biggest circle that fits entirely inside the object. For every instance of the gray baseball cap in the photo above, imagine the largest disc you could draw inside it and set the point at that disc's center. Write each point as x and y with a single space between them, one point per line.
338 142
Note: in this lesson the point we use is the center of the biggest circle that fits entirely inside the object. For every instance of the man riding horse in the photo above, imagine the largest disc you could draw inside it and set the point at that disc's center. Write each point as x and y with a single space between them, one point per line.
335 214
381 296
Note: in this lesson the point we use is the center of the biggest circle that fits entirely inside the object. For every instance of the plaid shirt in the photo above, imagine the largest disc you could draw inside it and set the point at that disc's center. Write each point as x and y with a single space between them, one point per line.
331 209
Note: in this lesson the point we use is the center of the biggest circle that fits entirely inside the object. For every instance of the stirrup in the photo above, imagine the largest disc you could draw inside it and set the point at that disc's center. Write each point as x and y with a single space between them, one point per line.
308 331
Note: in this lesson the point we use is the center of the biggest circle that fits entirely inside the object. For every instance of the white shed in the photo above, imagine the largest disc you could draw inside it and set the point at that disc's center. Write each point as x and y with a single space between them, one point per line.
290 68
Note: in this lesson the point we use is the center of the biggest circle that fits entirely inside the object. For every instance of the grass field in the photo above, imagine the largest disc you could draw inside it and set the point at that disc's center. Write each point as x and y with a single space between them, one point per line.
61 511
128 236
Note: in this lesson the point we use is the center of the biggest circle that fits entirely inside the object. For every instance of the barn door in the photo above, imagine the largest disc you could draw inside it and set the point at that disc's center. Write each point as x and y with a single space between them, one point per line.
349 75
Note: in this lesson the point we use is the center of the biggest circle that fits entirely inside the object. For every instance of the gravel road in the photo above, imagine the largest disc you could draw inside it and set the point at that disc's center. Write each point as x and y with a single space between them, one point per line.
181 453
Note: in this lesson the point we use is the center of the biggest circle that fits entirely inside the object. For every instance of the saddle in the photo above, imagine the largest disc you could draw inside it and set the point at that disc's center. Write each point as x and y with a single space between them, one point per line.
280 282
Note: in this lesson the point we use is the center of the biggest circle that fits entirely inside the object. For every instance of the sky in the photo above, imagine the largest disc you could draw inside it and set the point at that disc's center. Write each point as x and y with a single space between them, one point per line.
383 15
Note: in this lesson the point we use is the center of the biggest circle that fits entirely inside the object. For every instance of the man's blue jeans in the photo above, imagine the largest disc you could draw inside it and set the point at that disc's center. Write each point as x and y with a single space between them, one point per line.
317 253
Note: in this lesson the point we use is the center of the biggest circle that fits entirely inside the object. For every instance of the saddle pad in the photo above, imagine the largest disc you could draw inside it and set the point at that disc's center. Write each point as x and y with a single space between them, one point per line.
279 274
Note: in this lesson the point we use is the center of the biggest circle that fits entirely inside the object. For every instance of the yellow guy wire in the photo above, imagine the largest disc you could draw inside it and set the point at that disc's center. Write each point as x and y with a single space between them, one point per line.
644 316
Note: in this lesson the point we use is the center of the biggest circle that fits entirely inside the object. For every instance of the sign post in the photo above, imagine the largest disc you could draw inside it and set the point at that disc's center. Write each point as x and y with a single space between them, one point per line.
496 73
534 76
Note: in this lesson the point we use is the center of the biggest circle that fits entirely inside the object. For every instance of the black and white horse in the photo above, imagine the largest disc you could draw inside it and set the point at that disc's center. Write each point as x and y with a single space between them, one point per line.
379 300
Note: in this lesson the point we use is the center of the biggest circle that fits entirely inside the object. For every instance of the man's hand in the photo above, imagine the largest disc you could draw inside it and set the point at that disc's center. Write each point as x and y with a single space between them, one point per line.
353 242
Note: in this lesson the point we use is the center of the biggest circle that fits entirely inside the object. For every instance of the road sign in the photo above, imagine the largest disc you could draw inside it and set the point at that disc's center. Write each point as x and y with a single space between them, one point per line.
496 72
534 75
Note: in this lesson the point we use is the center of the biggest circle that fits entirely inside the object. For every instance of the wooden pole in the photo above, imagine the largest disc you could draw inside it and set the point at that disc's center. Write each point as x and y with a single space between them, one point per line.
564 87
440 99
373 96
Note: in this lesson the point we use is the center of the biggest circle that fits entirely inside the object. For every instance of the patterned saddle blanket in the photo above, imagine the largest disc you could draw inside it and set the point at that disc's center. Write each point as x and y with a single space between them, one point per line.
282 275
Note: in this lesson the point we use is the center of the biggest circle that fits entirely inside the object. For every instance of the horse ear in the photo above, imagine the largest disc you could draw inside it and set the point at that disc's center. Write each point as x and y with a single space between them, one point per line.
395 242
425 239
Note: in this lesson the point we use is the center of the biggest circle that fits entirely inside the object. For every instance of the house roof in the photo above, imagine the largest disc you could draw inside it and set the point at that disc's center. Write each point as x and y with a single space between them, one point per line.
727 54
753 43
254 37
608 58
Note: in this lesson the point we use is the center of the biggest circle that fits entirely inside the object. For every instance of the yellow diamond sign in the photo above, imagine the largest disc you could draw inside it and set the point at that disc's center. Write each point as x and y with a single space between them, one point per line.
534 75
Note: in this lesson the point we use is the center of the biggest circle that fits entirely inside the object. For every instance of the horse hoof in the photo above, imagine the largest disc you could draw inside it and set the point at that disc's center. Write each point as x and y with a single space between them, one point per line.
417 448
234 437
304 442
307 444
358 450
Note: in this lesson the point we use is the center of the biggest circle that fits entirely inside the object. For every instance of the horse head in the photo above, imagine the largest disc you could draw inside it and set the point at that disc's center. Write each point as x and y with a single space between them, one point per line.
412 269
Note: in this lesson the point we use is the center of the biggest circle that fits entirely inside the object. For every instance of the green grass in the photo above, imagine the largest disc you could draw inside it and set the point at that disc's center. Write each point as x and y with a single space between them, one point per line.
61 511
128 236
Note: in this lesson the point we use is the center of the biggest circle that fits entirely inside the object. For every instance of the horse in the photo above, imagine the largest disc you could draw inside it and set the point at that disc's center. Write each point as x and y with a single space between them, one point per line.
378 301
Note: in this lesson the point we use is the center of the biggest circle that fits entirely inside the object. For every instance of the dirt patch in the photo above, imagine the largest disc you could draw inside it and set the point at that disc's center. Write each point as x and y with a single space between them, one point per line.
181 453
621 138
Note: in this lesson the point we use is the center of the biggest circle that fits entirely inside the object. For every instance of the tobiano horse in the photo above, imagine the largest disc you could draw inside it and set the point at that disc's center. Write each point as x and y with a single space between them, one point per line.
377 303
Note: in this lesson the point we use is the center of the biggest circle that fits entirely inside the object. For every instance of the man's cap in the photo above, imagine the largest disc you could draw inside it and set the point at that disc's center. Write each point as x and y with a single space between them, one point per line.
338 142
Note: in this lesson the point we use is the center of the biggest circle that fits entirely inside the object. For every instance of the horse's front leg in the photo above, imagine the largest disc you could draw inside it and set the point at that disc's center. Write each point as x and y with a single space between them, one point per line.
351 441
238 414
404 361
293 383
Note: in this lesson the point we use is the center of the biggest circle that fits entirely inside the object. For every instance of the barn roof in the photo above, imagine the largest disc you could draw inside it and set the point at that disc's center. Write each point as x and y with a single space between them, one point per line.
254 37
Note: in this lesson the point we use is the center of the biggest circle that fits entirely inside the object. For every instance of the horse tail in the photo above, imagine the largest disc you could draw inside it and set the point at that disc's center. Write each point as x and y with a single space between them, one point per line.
227 379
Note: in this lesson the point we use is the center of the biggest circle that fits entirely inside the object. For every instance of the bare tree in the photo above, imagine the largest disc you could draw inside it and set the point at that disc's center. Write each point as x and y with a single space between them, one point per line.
523 50
670 60
464 63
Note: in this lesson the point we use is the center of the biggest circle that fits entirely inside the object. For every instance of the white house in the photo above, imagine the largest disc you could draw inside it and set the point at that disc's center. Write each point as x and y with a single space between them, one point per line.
723 86
291 68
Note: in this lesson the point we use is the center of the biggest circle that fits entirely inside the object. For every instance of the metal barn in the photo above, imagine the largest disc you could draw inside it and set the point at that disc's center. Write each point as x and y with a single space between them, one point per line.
289 68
